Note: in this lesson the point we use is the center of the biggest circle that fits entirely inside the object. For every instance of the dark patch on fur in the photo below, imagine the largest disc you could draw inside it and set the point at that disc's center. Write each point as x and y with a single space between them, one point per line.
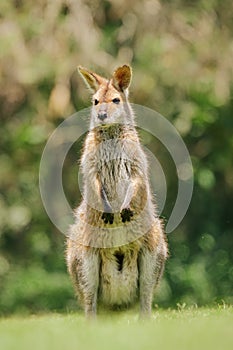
120 260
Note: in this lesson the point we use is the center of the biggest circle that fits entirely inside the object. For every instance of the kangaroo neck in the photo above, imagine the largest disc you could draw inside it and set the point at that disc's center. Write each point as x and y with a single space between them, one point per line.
111 131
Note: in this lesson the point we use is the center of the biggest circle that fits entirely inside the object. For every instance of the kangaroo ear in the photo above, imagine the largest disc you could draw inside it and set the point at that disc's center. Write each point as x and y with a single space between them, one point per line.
122 77
91 79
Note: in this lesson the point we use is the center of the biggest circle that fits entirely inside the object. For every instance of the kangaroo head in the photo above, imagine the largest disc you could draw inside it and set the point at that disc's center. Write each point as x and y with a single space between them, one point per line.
110 97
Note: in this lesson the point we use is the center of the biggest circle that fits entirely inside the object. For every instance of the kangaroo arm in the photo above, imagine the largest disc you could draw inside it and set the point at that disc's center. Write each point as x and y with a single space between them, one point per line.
128 196
106 204
136 194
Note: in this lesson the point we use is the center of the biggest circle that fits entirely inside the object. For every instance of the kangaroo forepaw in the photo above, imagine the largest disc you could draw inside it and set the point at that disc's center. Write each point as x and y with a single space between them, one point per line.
108 218
126 214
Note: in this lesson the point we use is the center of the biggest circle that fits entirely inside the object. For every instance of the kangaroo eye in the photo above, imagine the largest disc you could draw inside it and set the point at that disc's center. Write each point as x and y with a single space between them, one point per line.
116 100
96 102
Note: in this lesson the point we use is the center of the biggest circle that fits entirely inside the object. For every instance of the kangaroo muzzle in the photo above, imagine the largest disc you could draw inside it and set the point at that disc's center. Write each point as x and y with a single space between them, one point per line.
102 115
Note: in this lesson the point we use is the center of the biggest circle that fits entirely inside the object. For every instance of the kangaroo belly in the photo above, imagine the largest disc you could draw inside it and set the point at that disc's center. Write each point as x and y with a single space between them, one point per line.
118 277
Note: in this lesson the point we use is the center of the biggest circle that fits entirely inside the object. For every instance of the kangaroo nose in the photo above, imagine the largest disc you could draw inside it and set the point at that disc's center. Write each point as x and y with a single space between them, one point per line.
102 115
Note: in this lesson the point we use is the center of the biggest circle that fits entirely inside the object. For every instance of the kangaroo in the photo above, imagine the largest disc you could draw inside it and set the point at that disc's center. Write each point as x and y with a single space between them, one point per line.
116 249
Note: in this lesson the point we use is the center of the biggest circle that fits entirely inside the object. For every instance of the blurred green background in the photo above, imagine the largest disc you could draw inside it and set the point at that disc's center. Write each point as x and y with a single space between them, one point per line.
181 53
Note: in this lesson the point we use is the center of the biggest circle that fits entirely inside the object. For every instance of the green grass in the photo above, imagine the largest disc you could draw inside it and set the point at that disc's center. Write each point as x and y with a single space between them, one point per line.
186 329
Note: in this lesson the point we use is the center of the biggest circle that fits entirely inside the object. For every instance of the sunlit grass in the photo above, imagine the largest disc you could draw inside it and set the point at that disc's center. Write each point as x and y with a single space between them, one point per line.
187 329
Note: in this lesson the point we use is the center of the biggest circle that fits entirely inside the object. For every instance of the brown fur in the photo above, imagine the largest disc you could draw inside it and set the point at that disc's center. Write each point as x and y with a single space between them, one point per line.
116 249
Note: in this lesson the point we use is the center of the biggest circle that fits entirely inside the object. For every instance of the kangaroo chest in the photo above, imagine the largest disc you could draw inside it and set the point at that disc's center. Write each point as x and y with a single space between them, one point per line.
113 167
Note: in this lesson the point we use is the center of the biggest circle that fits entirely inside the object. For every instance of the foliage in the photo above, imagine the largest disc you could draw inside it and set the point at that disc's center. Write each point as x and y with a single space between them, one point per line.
181 54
